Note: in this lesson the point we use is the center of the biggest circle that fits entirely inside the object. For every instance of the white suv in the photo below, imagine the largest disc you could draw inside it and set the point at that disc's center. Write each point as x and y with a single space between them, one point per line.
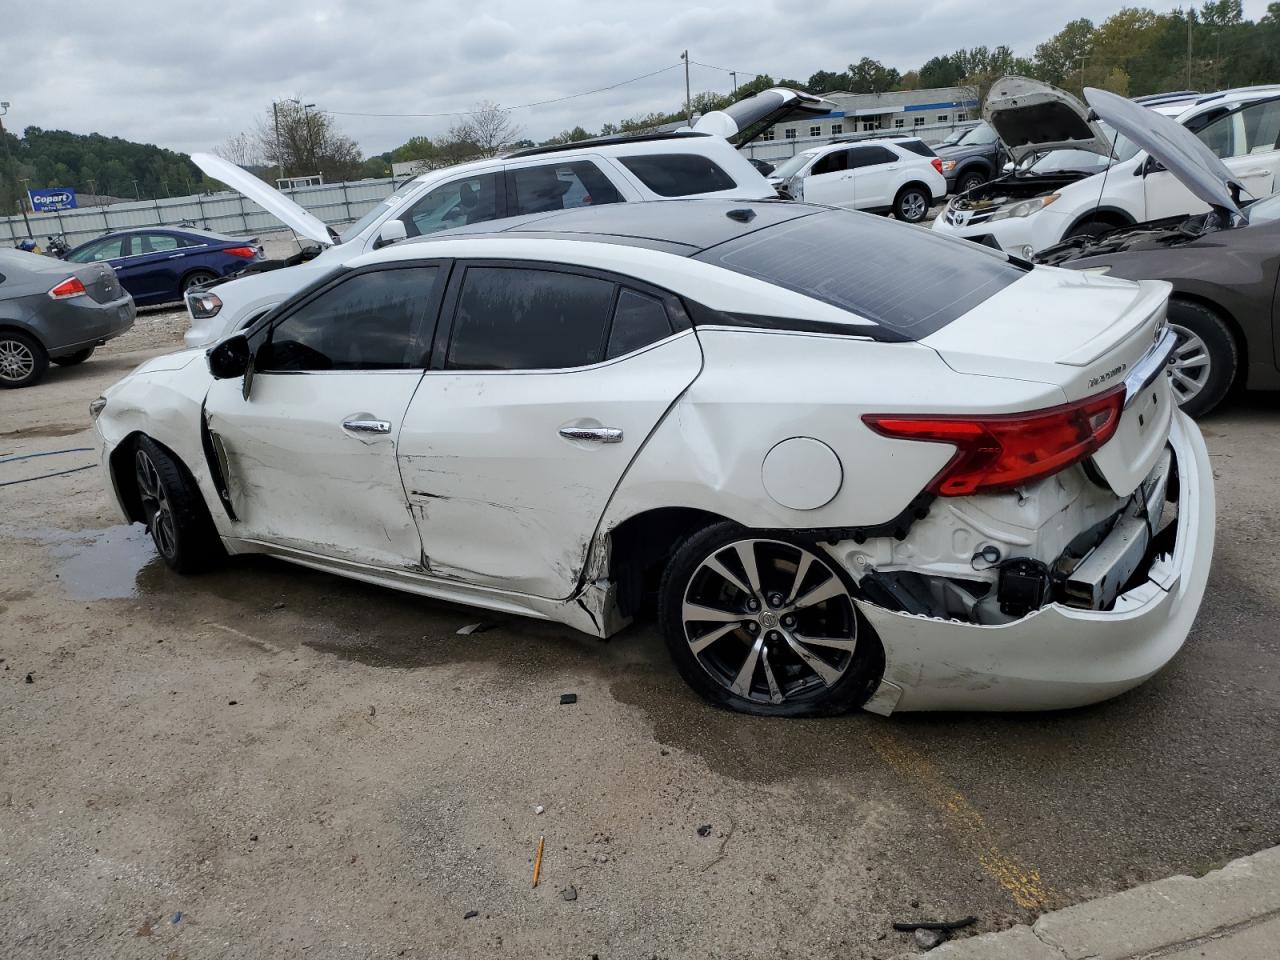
898 175
1073 176
689 163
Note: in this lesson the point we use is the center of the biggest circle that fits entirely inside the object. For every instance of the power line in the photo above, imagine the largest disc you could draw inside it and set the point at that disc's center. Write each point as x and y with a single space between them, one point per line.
712 66
522 106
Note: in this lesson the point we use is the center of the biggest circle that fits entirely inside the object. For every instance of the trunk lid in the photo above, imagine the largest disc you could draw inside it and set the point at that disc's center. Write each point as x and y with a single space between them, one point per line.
753 115
1085 334
270 199
100 281
1034 117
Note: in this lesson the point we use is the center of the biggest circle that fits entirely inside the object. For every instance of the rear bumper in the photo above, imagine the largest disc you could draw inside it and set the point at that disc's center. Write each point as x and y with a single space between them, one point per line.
82 322
1060 656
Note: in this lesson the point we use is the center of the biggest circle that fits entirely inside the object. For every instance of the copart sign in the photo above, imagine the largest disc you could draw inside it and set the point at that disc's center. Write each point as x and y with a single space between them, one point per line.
52 198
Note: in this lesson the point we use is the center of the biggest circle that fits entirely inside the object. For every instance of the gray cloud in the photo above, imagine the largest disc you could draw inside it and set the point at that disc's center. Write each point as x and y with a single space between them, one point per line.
166 73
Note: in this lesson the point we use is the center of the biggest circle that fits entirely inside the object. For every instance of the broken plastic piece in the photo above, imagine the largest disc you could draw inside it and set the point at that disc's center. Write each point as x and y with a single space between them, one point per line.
474 628
568 698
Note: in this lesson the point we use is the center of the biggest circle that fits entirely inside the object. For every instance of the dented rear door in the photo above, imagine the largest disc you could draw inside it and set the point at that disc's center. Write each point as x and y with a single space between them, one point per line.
544 387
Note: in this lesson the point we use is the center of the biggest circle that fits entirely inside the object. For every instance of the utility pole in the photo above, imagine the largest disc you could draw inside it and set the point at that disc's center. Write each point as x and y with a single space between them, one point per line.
136 194
688 100
22 205
275 115
1188 48
734 75
4 108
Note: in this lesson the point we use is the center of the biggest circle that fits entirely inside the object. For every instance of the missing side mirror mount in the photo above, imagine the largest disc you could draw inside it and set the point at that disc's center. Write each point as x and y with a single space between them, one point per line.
230 358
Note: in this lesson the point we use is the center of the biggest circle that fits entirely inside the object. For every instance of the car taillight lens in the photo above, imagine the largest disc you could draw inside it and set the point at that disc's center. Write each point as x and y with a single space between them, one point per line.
1003 451
247 252
937 164
70 287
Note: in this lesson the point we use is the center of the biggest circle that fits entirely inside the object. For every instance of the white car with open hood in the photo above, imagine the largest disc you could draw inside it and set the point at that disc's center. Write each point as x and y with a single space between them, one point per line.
975 493
1075 174
692 162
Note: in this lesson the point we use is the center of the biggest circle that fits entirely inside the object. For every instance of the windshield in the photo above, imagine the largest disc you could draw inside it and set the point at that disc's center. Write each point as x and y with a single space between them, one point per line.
982 134
953 137
794 165
1083 161
1265 211
377 212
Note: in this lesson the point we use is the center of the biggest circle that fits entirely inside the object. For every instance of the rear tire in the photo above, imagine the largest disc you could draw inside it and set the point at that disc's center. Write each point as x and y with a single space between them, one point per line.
912 203
174 509
1205 359
23 360
805 649
71 359
196 279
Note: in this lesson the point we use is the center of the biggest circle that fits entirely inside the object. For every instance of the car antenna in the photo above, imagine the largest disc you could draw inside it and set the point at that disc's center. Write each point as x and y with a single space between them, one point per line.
1111 159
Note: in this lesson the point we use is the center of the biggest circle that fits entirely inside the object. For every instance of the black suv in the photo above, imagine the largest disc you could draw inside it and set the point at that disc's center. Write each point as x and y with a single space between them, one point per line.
975 158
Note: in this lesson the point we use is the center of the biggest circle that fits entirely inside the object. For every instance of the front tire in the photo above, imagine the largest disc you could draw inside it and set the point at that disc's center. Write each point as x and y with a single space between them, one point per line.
1205 358
970 181
71 359
23 360
766 624
174 510
912 203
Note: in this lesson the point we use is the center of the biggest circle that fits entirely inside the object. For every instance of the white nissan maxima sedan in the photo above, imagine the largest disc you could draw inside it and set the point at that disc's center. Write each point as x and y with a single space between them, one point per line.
857 463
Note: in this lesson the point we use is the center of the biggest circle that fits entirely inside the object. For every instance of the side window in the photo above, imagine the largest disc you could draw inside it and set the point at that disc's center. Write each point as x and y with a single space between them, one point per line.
833 162
367 322
1220 136
102 250
1262 127
638 320
917 147
562 186
156 243
870 157
679 174
512 318
454 204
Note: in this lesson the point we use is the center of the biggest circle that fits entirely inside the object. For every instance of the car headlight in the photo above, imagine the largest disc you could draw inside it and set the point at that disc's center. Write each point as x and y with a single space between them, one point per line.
203 304
1024 208
948 166
97 406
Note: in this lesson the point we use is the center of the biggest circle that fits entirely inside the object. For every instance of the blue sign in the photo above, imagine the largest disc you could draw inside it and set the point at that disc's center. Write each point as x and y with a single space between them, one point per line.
52 198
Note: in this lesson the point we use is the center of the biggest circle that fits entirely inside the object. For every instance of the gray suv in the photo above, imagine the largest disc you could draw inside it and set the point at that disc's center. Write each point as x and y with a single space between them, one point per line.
974 159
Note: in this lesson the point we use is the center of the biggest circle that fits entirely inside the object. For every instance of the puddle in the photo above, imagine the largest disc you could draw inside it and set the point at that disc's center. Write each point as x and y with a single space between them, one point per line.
102 564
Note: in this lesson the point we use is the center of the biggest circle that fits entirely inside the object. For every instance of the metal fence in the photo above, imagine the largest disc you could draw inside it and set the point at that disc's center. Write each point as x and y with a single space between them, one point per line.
227 212
776 151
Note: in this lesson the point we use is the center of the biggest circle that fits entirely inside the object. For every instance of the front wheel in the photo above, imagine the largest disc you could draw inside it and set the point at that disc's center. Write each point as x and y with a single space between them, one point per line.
1205 358
766 624
970 181
174 510
912 204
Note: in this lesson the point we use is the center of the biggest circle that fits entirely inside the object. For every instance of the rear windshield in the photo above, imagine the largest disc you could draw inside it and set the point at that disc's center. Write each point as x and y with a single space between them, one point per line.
679 174
907 280
917 146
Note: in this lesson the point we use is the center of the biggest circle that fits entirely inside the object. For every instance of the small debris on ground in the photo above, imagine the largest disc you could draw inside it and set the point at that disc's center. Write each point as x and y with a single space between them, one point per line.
704 830
568 698
177 917
253 838
569 893
474 628
470 913
946 926
928 939
278 605
538 809
30 678
232 703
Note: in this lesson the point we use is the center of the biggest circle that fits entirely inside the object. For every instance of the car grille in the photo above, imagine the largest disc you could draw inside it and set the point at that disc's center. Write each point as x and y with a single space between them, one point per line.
966 218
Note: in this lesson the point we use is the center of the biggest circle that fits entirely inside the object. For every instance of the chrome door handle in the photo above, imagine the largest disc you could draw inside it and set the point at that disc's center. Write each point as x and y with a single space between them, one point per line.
367 426
592 434
174 256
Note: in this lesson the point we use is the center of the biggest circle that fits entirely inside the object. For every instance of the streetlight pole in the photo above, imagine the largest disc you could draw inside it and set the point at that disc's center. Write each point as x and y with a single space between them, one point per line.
22 205
275 115
136 194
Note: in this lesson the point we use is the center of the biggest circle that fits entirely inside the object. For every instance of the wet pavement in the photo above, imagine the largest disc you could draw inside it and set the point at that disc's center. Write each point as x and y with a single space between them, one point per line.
294 760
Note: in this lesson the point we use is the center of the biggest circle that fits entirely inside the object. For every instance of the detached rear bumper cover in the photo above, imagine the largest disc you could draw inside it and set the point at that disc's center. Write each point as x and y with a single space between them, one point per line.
1060 656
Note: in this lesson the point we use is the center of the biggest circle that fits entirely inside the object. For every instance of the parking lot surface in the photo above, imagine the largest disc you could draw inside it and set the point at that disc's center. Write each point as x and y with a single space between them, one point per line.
269 761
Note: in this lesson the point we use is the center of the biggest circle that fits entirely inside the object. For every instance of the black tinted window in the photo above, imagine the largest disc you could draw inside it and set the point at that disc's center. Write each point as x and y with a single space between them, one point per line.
679 174
510 318
870 156
917 146
454 204
909 282
638 320
367 322
562 186
833 162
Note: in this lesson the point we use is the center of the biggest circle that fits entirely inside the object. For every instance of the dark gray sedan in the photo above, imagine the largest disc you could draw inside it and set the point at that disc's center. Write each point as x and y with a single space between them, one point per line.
55 311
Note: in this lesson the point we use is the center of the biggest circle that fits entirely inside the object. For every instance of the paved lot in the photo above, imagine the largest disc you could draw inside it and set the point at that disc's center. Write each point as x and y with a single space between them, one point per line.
302 766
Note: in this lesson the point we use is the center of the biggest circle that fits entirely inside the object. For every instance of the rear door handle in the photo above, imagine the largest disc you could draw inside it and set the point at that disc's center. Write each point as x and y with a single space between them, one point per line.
592 434
367 426
175 256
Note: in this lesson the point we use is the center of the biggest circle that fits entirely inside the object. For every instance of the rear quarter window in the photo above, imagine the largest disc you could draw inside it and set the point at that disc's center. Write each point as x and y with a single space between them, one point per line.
679 174
918 146
908 281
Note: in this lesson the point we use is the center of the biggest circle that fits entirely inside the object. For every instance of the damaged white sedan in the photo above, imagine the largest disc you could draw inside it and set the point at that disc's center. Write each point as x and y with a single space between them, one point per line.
848 462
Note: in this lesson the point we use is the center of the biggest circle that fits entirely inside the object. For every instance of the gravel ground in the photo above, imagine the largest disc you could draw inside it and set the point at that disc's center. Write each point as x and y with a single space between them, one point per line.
270 761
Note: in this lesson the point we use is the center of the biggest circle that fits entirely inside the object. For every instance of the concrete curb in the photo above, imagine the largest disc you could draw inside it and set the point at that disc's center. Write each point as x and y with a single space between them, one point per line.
1229 913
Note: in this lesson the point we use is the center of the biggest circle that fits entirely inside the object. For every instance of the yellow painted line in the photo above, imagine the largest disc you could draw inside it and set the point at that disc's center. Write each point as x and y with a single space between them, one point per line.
1022 882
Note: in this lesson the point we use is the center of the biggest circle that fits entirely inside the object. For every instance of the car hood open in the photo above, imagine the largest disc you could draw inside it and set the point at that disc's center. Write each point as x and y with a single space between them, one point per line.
1183 154
758 113
1034 117
264 195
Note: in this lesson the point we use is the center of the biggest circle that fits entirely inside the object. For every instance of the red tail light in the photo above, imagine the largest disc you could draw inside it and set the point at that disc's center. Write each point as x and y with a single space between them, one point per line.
1003 451
937 164
70 287
247 252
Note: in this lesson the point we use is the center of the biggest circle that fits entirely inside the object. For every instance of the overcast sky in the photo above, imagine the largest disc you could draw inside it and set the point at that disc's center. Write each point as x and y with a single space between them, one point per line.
188 76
